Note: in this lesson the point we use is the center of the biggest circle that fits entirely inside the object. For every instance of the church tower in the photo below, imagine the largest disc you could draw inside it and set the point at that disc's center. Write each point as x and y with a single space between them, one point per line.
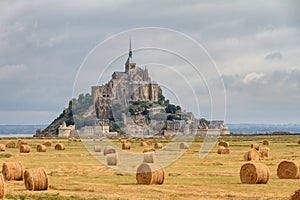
129 65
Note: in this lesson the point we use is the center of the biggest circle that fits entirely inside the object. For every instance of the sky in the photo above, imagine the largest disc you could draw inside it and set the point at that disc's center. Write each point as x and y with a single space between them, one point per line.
254 48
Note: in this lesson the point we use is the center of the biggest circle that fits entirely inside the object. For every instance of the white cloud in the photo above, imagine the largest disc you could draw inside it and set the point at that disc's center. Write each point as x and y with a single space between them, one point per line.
252 77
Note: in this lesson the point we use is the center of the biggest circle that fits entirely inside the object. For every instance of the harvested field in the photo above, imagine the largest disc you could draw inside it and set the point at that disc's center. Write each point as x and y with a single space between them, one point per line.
75 174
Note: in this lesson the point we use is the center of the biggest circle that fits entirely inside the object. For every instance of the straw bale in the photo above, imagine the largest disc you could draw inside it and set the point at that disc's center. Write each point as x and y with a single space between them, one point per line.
158 145
223 143
109 150
36 179
183 145
252 155
12 171
288 169
254 173
112 159
150 173
41 148
59 146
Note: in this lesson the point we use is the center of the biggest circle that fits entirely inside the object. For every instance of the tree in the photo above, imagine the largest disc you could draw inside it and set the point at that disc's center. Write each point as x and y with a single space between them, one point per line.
171 109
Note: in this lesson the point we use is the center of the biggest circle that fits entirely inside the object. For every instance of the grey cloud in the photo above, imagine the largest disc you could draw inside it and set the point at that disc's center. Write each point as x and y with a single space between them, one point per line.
275 96
274 56
51 39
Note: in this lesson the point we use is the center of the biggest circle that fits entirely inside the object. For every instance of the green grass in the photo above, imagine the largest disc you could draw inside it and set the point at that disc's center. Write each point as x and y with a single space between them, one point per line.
5 155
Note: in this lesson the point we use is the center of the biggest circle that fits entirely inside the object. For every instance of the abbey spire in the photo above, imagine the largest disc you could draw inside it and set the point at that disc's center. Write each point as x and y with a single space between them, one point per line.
129 65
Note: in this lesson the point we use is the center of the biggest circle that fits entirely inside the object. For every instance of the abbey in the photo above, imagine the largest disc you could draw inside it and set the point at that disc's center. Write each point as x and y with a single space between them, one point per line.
134 84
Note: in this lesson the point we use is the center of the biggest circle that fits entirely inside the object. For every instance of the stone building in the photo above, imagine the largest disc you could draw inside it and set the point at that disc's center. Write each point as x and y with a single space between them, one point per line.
175 125
64 130
134 84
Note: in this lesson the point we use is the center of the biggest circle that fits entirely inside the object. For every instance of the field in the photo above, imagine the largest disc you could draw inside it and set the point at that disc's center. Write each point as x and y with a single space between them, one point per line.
75 174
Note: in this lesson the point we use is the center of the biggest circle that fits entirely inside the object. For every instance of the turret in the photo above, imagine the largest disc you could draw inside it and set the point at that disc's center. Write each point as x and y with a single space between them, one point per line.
129 65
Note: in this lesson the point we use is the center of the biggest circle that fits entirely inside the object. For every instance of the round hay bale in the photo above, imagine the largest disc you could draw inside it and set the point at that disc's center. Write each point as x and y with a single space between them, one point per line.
2 147
296 195
266 142
12 171
150 173
112 159
78 140
183 145
24 148
97 148
21 143
251 155
288 169
223 150
59 146
41 148
298 141
148 150
158 145
149 157
36 179
70 139
122 141
255 146
109 150
254 173
126 145
149 142
265 153
2 187
47 144
143 144
11 144
223 143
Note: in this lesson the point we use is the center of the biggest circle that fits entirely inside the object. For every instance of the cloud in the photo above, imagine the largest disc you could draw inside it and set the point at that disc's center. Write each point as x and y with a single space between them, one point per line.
48 40
253 76
7 71
273 98
274 56
52 41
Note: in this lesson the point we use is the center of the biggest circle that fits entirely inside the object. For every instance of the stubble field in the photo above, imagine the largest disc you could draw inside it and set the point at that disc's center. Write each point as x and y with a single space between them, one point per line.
75 174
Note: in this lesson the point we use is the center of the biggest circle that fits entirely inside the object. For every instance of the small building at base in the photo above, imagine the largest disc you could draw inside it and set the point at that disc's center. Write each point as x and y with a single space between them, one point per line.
64 130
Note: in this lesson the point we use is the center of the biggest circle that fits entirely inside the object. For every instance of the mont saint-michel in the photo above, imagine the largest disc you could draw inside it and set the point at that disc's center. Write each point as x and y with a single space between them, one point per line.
129 104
